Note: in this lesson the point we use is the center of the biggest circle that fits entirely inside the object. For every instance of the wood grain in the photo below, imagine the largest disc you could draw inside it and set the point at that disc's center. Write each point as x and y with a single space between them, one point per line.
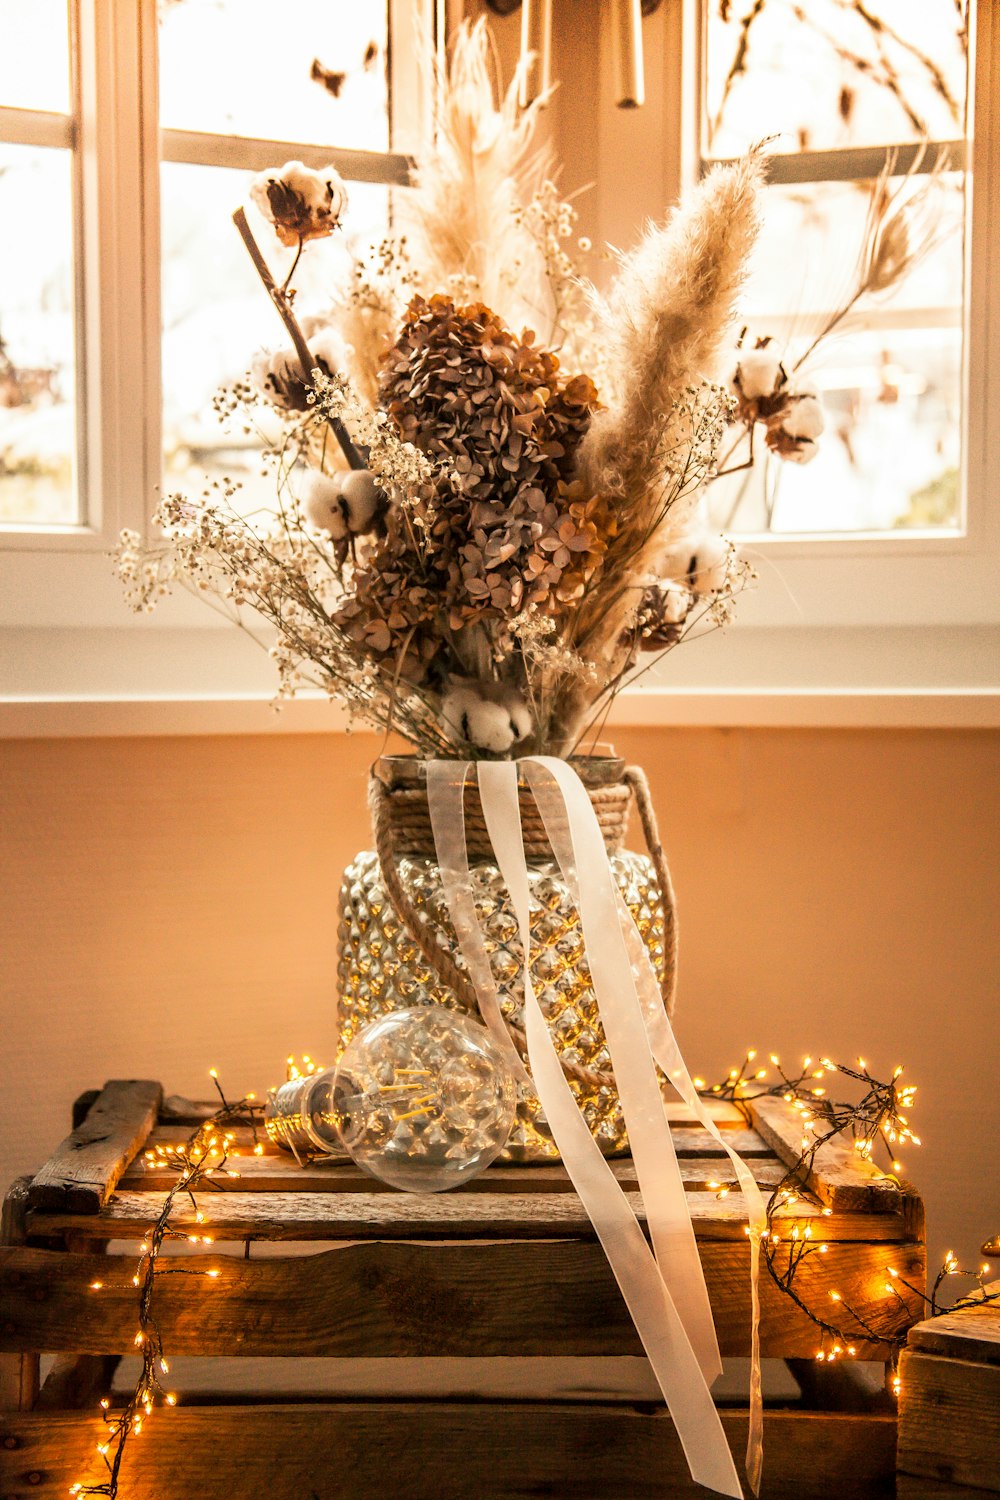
84 1170
840 1177
417 1299
689 1141
949 1420
76 1381
233 1213
276 1172
193 1111
972 1334
426 1451
909 1487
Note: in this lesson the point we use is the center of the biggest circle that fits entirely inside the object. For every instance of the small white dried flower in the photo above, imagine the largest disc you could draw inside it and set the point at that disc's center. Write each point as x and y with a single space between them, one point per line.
362 500
757 375
701 562
793 430
300 203
486 715
323 504
804 417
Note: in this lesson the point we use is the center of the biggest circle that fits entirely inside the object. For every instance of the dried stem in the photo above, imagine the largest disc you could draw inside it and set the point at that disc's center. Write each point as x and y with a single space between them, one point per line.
282 305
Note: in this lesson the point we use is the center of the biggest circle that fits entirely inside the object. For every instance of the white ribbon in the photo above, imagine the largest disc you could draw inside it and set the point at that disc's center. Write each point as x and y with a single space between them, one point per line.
446 802
664 1290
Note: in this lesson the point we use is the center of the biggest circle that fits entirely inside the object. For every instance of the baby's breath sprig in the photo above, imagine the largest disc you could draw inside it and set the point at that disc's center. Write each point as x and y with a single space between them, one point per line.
201 1162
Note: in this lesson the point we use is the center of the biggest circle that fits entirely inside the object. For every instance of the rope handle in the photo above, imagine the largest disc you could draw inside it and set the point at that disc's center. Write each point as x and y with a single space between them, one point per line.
430 945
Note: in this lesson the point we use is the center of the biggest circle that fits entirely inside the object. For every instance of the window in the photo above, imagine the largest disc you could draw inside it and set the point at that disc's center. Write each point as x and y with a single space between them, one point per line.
127 132
322 77
38 342
842 87
136 238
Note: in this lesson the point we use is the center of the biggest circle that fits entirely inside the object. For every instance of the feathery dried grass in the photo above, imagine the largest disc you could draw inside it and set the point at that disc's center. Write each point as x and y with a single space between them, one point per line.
664 322
463 222
903 227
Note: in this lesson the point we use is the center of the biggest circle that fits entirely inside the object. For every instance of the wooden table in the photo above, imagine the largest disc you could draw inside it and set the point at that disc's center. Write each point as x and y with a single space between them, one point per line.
321 1262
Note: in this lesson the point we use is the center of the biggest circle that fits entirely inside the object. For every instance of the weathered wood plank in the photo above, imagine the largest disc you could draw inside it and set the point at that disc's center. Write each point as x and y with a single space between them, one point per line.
84 1170
19 1371
840 1177
14 1213
972 1334
275 1172
82 1105
949 1420
235 1214
689 1141
424 1450
910 1488
404 1298
76 1381
193 1111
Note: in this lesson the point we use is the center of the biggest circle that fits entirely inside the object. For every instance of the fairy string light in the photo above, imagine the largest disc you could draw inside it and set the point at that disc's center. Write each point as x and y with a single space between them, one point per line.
199 1162
877 1119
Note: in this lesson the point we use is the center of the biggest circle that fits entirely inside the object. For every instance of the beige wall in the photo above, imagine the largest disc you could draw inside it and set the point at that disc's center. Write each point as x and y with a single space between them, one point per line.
170 904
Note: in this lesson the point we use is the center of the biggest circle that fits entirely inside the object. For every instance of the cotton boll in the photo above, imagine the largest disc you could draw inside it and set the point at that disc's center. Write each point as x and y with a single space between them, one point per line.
489 719
676 604
327 349
323 504
278 377
803 417
455 706
488 726
757 375
699 561
802 451
521 722
361 500
300 203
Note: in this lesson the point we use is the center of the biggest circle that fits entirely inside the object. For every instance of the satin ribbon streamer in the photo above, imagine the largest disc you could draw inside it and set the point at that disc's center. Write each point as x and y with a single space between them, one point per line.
664 1289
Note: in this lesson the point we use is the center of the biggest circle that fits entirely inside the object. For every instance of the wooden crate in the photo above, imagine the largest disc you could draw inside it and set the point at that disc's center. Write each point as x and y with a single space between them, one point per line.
949 1409
506 1268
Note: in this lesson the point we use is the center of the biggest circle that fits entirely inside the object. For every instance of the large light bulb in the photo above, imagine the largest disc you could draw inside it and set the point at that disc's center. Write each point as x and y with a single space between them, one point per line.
422 1099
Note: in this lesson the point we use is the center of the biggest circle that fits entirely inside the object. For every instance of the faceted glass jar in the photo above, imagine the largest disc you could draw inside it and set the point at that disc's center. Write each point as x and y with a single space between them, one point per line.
380 969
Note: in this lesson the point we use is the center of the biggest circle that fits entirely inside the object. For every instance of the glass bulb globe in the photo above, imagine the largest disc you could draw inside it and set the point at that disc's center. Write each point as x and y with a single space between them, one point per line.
423 1099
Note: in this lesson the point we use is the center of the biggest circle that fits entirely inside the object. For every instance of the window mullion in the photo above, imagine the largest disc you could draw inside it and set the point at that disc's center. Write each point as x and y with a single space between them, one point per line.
120 223
250 154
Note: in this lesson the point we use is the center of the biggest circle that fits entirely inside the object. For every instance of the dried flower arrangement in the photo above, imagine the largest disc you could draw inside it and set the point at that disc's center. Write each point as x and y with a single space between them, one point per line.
474 546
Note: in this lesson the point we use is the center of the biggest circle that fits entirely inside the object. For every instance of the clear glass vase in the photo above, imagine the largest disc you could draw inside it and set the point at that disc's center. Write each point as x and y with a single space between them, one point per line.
381 967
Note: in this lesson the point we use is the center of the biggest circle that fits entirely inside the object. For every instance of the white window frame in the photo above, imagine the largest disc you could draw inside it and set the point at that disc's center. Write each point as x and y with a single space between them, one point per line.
925 609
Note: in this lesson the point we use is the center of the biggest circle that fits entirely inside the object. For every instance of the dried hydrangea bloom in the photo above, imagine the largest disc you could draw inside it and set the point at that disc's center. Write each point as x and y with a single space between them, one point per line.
300 203
498 412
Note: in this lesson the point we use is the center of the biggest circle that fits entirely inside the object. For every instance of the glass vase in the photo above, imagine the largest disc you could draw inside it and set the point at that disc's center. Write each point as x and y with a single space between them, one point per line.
381 967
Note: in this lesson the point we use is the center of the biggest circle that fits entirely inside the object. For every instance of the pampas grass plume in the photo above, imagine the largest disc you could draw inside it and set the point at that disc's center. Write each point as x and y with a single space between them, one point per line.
664 321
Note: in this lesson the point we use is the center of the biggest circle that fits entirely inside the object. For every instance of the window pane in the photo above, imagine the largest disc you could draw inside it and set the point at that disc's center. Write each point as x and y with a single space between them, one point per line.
889 377
216 315
833 73
34 55
37 361
307 70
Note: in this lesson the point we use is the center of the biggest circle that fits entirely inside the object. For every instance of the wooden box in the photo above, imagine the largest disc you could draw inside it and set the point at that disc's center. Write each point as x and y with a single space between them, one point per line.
504 1270
949 1407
